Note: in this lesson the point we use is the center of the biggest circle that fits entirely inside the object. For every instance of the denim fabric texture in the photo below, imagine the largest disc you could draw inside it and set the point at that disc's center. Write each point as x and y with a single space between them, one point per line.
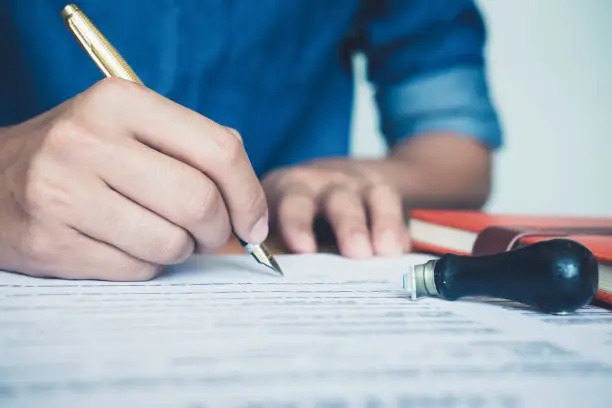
279 71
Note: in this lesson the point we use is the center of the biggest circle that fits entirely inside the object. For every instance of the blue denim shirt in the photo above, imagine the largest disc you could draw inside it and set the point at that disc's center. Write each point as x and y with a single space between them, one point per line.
279 71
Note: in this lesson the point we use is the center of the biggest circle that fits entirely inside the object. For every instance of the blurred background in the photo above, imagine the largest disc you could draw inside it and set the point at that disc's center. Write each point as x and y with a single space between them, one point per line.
550 71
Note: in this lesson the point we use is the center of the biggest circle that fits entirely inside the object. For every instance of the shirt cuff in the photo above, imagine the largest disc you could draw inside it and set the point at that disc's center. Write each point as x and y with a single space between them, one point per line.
454 100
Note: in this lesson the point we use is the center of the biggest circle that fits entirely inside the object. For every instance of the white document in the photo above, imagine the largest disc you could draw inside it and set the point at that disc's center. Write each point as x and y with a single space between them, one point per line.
220 331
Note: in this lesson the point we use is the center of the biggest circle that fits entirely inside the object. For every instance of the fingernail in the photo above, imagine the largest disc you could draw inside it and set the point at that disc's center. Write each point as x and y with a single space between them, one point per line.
361 246
305 243
389 243
259 232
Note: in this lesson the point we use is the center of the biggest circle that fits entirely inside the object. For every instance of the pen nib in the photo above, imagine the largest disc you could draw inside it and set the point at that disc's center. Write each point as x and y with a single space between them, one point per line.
263 256
269 262
272 264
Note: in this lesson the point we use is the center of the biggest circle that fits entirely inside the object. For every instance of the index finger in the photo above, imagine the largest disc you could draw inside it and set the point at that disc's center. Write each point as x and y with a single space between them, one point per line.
296 208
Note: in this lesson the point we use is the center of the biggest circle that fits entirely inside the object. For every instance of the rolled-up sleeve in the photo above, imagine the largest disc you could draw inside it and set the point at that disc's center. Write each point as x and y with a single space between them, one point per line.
426 62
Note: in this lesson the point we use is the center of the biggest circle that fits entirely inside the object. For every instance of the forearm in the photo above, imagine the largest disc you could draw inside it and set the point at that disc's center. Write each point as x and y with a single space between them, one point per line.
443 171
435 171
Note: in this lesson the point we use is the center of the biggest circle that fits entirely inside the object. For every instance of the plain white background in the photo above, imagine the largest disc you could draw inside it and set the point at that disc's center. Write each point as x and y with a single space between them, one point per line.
550 72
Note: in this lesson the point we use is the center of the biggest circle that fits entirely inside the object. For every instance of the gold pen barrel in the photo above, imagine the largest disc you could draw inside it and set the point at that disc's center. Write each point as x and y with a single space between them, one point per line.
96 45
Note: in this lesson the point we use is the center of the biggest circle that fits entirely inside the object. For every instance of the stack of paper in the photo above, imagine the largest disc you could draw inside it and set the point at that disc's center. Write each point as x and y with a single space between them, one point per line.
220 331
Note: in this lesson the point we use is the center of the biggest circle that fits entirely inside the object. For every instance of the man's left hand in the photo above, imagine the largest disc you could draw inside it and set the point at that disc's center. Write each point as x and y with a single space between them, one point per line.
365 213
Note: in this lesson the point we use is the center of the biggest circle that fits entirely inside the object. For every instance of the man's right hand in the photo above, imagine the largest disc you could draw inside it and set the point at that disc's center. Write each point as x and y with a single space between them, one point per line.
118 182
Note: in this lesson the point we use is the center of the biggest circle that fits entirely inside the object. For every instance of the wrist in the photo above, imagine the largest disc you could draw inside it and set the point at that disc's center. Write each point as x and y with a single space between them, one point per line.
429 183
445 171
399 174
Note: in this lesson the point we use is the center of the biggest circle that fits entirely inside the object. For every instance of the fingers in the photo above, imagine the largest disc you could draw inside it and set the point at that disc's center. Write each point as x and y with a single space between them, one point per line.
66 253
118 266
221 156
296 209
195 140
109 217
365 216
173 190
389 237
345 211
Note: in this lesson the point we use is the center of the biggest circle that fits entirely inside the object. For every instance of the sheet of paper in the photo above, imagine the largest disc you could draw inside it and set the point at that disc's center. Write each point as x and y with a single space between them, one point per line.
334 333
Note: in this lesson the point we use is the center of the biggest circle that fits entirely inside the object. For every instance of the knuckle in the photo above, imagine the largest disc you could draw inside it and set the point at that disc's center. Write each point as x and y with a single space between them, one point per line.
337 177
35 190
102 97
201 204
223 235
62 133
235 133
298 179
352 222
284 212
274 181
296 205
298 175
215 239
382 191
230 149
39 194
145 271
40 247
67 139
346 213
352 229
44 192
107 89
342 200
174 247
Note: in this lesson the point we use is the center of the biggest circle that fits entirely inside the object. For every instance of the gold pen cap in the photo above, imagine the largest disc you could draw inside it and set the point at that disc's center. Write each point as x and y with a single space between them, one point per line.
96 45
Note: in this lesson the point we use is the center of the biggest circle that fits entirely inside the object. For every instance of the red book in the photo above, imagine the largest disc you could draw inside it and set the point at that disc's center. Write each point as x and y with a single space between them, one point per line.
478 233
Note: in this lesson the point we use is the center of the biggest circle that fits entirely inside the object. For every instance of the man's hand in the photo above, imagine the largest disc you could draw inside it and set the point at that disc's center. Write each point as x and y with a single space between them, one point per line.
365 201
363 210
118 182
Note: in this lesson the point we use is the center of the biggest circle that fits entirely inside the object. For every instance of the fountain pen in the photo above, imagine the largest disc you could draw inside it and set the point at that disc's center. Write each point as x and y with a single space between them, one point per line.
112 64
